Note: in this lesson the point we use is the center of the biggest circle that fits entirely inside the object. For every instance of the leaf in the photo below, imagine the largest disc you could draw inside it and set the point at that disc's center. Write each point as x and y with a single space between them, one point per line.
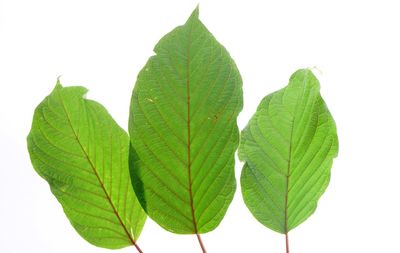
82 153
183 130
288 148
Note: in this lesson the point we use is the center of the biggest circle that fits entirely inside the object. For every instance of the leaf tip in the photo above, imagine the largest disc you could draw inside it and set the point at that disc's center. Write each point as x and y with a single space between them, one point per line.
304 74
58 84
317 69
195 13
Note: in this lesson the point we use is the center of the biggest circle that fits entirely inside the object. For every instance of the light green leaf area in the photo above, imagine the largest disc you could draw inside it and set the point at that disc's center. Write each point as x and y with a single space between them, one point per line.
82 153
288 148
183 130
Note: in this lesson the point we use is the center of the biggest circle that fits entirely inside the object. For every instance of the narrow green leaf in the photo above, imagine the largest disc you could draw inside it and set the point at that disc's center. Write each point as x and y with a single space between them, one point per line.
82 153
288 148
183 130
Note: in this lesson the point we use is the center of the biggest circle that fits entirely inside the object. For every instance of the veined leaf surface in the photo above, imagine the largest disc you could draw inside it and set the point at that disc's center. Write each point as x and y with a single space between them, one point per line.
183 130
82 153
288 148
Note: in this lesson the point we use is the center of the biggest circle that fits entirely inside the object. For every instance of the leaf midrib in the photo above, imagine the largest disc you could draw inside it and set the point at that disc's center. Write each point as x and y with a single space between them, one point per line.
188 129
290 157
95 172
288 177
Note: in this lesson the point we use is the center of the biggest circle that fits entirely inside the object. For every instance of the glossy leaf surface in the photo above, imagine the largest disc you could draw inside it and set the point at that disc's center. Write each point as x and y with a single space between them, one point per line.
288 148
82 153
183 130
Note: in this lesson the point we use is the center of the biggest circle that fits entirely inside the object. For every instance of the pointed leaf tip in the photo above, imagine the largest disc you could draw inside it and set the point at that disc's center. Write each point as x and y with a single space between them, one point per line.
58 83
304 77
303 72
195 14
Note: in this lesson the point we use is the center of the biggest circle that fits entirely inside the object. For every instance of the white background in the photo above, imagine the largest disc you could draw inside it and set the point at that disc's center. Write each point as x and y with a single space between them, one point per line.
102 45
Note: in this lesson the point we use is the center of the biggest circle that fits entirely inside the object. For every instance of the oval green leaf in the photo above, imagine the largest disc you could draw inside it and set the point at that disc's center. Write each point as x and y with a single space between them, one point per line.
82 153
288 148
183 130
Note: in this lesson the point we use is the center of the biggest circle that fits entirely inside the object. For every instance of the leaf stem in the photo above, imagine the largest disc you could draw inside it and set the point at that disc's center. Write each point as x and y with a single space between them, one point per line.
287 242
201 243
137 247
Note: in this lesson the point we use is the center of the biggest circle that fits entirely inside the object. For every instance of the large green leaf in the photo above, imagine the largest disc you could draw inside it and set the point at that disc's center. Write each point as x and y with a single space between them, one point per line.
183 130
288 147
82 153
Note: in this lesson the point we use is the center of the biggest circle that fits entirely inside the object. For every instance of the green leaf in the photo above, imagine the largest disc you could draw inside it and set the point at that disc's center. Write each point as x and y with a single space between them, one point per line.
82 153
183 130
288 148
